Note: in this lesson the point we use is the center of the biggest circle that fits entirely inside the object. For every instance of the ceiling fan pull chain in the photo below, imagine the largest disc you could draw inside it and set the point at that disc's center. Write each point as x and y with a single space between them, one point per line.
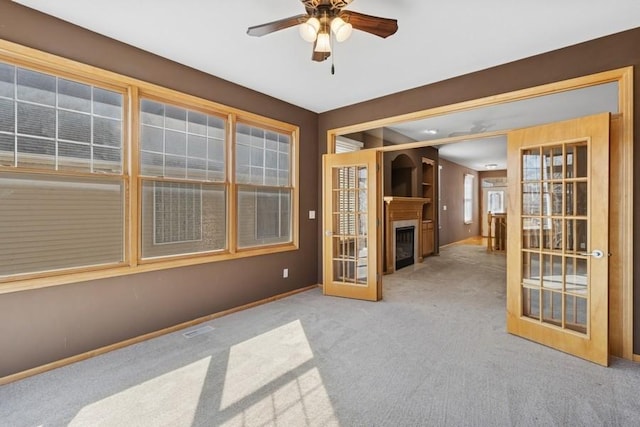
333 56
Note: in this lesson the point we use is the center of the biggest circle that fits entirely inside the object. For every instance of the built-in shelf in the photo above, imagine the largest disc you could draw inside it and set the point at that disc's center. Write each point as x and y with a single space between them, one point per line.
427 245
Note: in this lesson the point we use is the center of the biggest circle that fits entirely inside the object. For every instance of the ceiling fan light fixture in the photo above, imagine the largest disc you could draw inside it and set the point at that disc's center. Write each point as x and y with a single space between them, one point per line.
323 44
309 29
341 29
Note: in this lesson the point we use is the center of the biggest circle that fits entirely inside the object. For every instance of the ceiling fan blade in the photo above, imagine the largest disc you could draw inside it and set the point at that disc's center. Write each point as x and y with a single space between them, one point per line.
381 27
280 24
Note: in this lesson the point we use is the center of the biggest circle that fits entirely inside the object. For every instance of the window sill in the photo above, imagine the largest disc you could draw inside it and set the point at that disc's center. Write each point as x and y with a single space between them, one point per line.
46 280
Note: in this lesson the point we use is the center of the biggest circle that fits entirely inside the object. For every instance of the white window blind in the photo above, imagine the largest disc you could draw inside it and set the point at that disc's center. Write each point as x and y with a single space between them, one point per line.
346 145
52 223
191 219
177 212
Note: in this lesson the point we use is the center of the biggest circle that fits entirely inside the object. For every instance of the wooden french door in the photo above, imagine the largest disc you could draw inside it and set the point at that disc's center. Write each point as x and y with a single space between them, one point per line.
558 216
352 253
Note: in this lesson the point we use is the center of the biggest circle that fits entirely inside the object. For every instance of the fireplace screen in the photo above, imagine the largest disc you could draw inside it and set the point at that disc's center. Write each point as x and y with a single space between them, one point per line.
404 246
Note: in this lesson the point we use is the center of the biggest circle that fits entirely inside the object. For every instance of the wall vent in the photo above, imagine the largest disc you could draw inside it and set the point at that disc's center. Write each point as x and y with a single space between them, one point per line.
198 331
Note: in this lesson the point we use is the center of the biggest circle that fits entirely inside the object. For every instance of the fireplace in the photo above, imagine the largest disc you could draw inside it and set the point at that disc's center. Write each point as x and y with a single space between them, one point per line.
405 246
402 212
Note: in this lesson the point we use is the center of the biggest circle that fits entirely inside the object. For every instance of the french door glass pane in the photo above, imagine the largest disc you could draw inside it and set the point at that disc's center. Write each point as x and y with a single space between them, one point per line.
552 199
576 198
576 235
577 161
531 165
531 268
531 233
552 307
552 159
531 198
553 235
531 302
554 223
576 313
350 241
576 275
552 271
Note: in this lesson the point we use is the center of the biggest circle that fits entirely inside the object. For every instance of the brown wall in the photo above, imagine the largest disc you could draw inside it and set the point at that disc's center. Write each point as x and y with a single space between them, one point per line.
611 52
452 226
44 325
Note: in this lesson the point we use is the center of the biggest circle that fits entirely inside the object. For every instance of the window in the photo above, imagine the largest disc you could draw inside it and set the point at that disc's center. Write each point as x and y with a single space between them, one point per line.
468 199
61 173
184 202
265 193
100 173
495 201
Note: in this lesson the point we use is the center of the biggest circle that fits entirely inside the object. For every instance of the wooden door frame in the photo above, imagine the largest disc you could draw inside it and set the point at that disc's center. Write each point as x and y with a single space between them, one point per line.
621 182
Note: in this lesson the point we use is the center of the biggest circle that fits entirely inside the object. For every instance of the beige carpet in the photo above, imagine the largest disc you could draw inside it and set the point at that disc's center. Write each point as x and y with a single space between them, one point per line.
433 353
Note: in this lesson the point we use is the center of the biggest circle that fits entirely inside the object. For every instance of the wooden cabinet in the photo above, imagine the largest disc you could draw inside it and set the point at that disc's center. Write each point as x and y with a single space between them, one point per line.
428 208
428 238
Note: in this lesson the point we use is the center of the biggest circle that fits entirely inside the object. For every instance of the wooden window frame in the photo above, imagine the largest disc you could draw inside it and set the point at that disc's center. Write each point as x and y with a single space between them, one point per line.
133 90
291 188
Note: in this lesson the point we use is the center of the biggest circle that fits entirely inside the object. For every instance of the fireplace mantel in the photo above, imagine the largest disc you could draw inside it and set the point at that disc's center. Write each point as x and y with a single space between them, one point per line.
401 209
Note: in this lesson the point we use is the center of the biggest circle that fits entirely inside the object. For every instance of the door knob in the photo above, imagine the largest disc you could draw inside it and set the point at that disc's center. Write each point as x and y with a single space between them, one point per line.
596 253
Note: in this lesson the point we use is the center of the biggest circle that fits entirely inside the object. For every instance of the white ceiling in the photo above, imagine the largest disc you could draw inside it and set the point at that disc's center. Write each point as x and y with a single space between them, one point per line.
478 153
435 40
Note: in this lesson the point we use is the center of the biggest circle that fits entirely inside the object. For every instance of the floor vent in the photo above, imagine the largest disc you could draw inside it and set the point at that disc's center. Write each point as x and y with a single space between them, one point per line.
198 331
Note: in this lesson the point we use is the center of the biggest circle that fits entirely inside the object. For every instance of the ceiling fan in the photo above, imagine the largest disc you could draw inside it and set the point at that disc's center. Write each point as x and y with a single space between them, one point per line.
478 126
324 17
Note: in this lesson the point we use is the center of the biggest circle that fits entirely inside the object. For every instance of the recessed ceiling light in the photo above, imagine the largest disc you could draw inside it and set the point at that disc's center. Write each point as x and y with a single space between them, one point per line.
491 166
431 131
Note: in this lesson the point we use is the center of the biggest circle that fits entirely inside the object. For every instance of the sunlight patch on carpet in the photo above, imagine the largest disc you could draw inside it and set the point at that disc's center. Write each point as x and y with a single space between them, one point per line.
143 403
271 378
301 402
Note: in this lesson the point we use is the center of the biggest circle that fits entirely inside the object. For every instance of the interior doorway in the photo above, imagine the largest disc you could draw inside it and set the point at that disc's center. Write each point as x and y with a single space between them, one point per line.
622 330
